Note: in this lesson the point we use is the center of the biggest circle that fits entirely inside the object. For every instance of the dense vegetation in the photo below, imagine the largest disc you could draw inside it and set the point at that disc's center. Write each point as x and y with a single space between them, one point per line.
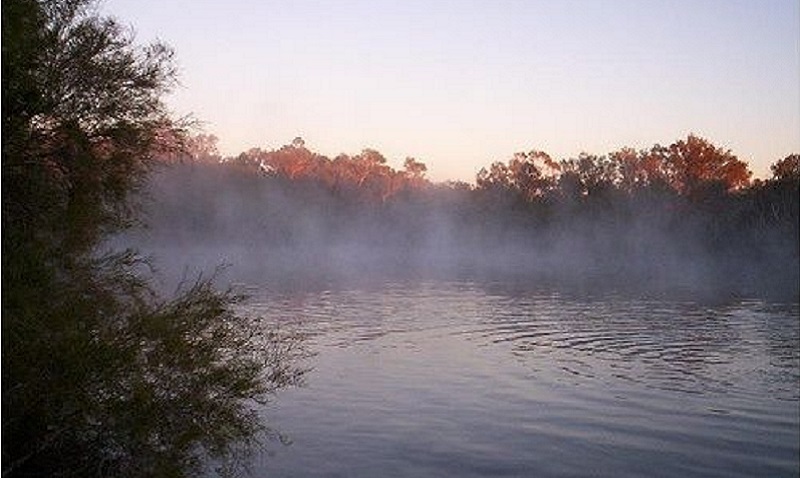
102 375
685 215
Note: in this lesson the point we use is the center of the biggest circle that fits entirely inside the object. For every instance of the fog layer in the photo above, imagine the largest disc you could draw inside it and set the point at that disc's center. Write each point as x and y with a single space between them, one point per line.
290 213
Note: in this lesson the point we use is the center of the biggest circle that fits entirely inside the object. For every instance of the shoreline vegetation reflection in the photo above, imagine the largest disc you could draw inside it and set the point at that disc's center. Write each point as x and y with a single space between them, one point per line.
123 353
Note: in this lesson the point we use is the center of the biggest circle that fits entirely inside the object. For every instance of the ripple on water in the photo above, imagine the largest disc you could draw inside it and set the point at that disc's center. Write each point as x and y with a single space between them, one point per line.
458 379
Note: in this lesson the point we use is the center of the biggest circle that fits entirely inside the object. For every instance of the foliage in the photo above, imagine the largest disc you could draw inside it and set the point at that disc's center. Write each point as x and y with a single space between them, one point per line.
82 117
687 167
629 214
365 174
787 169
530 176
101 376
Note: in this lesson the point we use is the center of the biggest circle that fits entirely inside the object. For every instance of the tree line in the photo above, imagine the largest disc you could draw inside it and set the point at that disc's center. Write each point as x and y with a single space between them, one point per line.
692 168
627 213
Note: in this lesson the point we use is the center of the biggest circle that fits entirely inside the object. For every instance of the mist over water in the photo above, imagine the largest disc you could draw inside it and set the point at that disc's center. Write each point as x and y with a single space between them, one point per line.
458 331
267 229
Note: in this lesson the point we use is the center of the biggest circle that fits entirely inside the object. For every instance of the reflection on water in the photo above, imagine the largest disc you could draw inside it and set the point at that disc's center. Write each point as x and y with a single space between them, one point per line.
467 379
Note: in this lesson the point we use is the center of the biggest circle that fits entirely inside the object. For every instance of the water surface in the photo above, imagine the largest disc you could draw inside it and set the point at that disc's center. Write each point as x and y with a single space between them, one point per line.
460 378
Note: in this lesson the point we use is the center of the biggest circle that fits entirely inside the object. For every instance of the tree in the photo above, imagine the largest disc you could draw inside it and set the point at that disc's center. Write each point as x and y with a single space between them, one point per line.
101 375
587 175
787 169
638 170
292 161
203 148
414 170
695 164
496 177
530 176
779 197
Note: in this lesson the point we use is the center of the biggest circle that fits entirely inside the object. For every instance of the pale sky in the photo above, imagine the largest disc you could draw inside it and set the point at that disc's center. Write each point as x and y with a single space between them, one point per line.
460 84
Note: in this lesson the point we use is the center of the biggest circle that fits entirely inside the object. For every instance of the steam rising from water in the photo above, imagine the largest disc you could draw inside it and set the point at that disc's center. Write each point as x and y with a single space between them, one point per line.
269 229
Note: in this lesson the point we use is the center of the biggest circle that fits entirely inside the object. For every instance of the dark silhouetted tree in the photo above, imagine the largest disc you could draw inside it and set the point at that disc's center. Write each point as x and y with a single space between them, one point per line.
787 169
588 175
101 376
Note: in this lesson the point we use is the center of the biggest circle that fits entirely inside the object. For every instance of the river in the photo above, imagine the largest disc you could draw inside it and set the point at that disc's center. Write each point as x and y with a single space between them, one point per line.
467 378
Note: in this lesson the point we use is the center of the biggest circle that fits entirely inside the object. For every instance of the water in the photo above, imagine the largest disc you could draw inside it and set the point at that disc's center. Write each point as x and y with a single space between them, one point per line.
506 379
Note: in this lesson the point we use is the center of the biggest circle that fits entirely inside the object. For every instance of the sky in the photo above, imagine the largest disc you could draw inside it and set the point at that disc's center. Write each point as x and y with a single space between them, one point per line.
460 84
